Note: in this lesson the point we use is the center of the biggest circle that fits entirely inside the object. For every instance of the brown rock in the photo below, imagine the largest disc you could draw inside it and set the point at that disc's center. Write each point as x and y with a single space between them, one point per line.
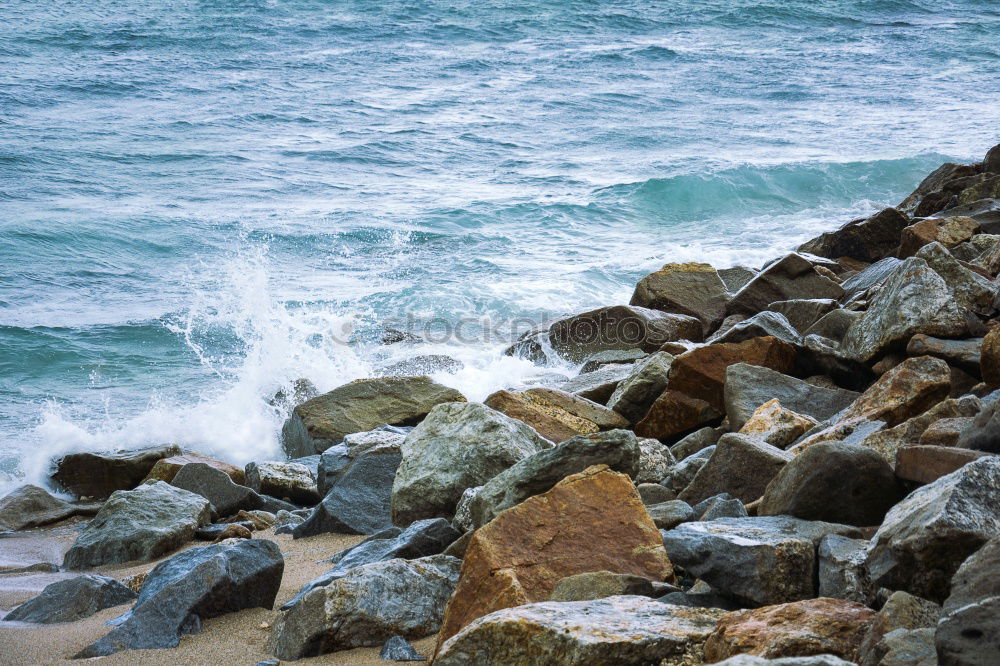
776 425
674 413
989 358
791 277
924 464
619 327
600 584
949 231
234 531
556 415
905 391
605 418
946 432
167 468
938 182
98 474
866 240
692 289
888 441
797 629
961 353
591 521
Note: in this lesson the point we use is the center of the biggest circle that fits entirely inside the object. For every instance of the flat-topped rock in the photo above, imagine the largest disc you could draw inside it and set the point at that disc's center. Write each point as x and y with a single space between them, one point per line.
693 289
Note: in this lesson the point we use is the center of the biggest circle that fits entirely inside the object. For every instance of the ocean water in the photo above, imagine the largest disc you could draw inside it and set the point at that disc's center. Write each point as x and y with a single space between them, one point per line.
201 201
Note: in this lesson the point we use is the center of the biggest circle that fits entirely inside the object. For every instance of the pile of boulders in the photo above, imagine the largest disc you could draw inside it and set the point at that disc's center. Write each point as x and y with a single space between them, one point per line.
796 464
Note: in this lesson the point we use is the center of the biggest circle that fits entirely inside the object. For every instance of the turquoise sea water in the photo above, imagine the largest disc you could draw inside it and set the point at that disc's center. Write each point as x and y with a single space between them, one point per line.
199 200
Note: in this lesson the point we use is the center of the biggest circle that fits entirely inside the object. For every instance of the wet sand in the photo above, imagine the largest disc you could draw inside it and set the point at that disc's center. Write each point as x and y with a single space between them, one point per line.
233 639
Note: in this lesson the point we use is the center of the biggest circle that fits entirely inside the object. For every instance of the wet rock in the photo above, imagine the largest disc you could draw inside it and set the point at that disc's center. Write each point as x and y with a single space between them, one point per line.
691 289
842 572
773 424
538 473
367 606
924 464
748 387
140 524
166 469
741 466
284 480
612 357
654 493
72 599
655 461
218 488
670 514
890 632
422 364
614 630
764 560
925 538
590 521
398 648
791 277
599 585
458 446
633 397
598 385
868 239
619 327
949 231
98 474
682 473
30 506
762 324
737 277
969 630
360 406
814 626
833 482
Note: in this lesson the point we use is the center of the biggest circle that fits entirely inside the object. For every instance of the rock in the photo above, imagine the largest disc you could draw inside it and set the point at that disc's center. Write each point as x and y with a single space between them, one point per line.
872 276
991 163
741 466
553 414
463 513
935 182
654 493
98 474
599 585
949 231
813 626
192 586
214 531
675 413
969 630
655 461
789 278
987 188
458 446
914 299
758 561
868 239
901 614
762 324
360 501
234 531
969 289
218 488
670 514
634 395
682 473
166 469
695 442
335 460
284 480
367 606
989 363
591 521
614 630
722 505
812 660
691 289
140 524
833 482
422 364
925 538
924 464
604 417
72 599
31 506
737 277
842 569
538 473
833 325
907 390
360 406
804 312
908 647
945 432
259 520
961 353
612 357
773 424
984 433
619 327
748 387
599 385
398 648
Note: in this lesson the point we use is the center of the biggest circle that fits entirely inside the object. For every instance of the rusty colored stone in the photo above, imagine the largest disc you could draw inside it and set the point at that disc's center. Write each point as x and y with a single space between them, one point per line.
907 390
166 469
556 415
590 521
924 464
692 289
797 629
949 231
989 358
776 425
674 413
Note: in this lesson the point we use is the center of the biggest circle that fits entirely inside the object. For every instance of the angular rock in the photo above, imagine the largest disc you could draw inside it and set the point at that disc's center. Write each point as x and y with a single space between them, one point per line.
970 290
98 474
791 277
833 325
140 524
598 385
285 480
619 327
987 188
741 466
961 353
901 613
765 560
969 631
336 459
614 630
907 390
674 413
833 482
695 442
924 464
591 521
984 433
760 325
804 312
551 413
360 406
458 446
748 387
538 473
692 289
655 461
736 277
813 626
398 648
612 357
600 585
218 488
72 599
604 417
634 395
812 660
166 469
773 424
192 586
842 572
935 182
722 505
654 493
868 239
949 231
925 538
682 473
30 506
946 432
668 515
367 606
989 360
872 276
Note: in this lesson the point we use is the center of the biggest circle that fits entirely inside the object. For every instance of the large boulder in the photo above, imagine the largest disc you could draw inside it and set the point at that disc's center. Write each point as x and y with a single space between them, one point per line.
591 521
555 415
791 277
291 481
655 461
140 524
801 628
226 497
197 584
949 231
760 325
367 606
72 599
336 459
538 473
833 482
971 290
166 469
842 572
675 413
362 405
614 630
97 474
740 465
633 397
31 506
747 387
869 239
458 446
692 289
766 560
969 631
936 188
927 536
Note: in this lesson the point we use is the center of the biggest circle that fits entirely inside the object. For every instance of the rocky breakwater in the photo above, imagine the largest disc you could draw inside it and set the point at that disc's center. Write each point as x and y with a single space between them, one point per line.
793 464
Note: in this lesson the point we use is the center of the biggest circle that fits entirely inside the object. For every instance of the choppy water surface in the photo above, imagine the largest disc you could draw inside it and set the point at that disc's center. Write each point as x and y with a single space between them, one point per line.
198 200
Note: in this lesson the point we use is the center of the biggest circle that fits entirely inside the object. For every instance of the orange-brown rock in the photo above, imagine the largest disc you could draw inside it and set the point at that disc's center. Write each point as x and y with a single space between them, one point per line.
797 629
989 358
590 521
924 464
949 231
556 415
907 390
166 469
673 413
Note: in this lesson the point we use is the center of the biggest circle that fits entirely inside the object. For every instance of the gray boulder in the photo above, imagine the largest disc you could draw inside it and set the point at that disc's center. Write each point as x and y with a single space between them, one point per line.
984 432
722 505
740 465
833 325
736 277
750 386
30 506
695 442
681 474
969 631
872 276
335 459
398 648
654 493
72 599
803 312
927 536
285 480
842 572
670 514
140 524
598 385
226 497
458 446
633 396
655 461
599 585
192 586
97 474
760 325
758 561
619 327
367 606
902 633
791 277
